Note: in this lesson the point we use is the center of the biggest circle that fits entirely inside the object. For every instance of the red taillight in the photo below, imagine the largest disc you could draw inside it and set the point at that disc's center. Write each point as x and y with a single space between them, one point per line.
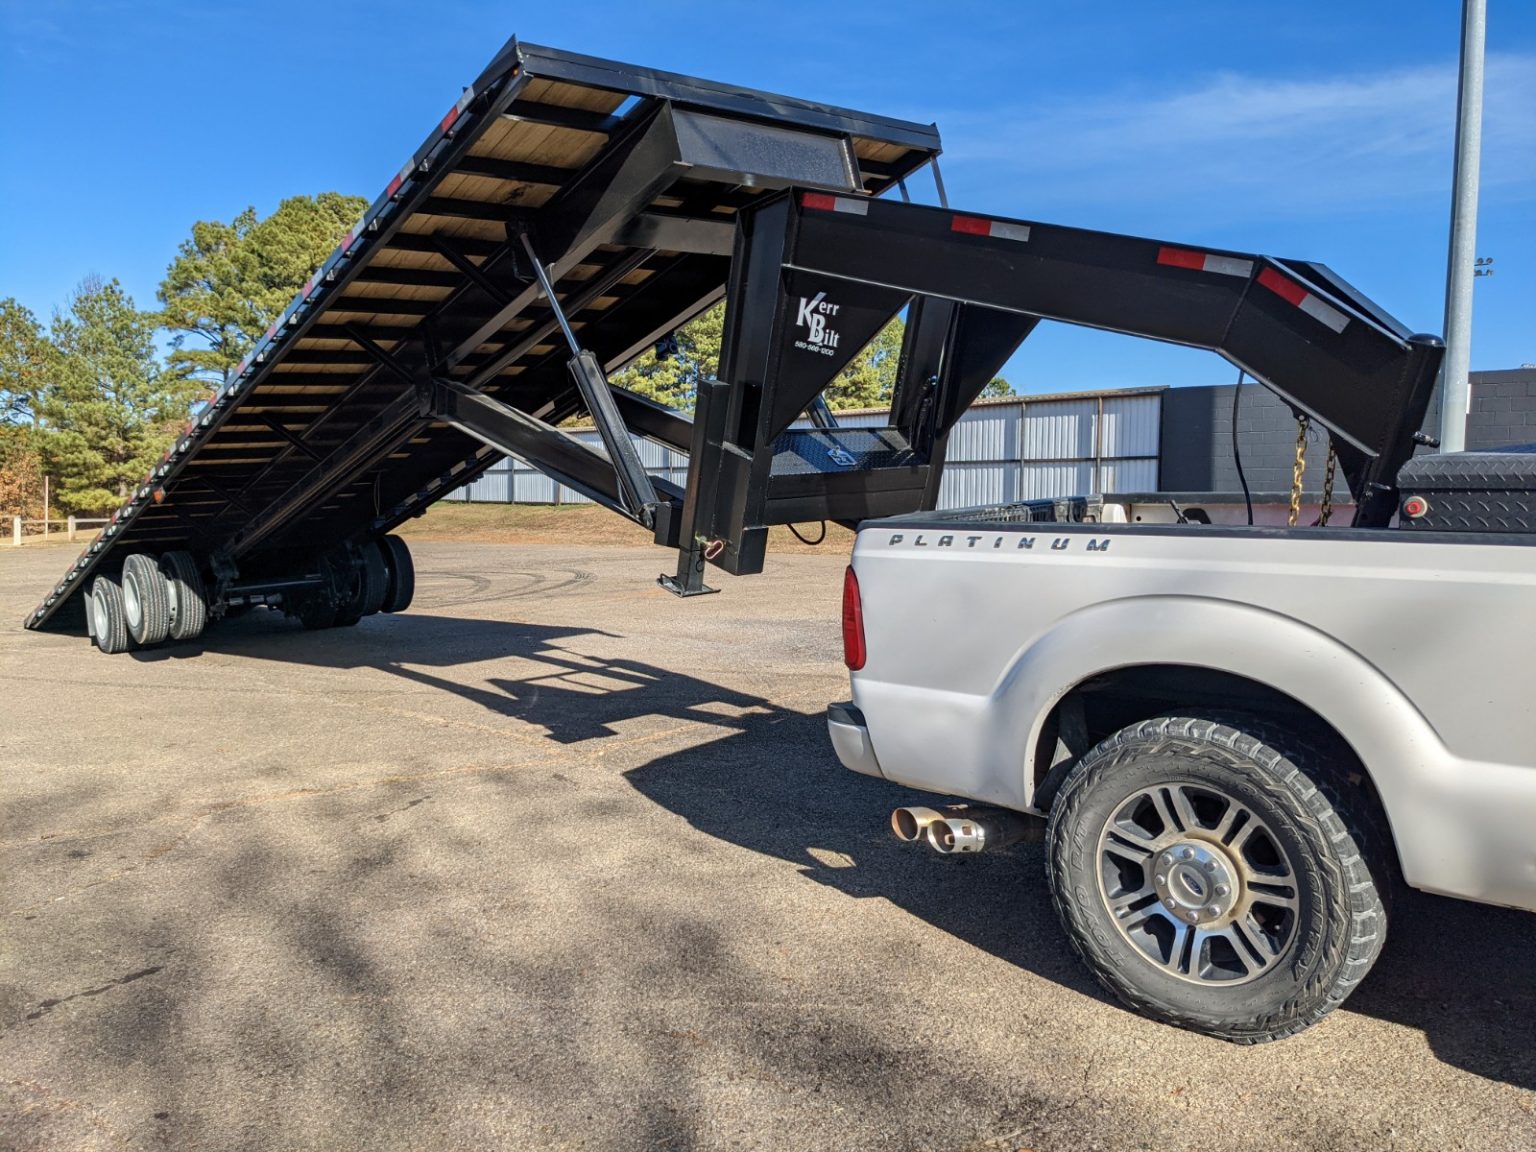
853 623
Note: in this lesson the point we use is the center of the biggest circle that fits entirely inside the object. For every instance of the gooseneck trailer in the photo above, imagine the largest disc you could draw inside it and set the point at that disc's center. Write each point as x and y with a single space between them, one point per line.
569 213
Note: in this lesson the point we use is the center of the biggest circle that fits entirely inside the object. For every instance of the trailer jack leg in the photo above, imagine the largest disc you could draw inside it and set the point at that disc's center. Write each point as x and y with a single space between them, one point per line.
689 580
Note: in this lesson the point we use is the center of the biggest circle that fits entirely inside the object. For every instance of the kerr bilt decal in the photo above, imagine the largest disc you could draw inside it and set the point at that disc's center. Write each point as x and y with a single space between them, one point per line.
1023 543
812 315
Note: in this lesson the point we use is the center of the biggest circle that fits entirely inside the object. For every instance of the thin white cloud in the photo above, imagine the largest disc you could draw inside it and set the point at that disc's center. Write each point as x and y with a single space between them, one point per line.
1348 142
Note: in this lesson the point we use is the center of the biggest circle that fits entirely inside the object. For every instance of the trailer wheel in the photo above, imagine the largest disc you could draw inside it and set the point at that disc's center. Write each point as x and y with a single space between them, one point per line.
373 579
109 623
188 596
316 612
146 600
366 579
401 588
1207 874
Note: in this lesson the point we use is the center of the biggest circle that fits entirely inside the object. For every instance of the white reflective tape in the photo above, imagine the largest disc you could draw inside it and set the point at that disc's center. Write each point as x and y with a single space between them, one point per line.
850 205
1002 230
1323 313
1228 265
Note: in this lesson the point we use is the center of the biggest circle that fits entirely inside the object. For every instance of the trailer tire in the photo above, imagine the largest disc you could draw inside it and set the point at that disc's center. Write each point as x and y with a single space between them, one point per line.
146 600
373 579
109 622
1287 874
188 595
401 586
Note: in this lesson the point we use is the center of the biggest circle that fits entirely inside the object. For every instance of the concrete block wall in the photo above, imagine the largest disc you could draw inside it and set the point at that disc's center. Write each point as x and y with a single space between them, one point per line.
1197 442
1197 439
1503 409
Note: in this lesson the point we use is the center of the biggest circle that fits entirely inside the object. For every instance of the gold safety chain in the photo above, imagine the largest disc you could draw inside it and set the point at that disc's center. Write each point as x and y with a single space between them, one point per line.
1333 460
1299 469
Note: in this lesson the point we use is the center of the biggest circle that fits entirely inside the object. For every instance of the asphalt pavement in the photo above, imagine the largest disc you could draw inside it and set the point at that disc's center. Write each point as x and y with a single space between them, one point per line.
555 860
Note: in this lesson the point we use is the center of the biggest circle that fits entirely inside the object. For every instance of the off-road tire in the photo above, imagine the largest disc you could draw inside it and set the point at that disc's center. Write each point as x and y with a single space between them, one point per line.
1325 825
109 623
188 596
146 600
401 587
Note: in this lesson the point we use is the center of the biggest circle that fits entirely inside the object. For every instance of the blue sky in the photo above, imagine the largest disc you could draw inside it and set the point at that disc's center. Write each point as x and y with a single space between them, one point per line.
1320 130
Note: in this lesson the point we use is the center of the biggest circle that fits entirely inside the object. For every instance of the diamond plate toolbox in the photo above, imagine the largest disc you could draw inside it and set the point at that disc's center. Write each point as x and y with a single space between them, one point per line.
1470 491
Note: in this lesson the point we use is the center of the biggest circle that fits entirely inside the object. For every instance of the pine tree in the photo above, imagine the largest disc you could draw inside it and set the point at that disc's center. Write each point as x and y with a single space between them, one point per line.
25 358
110 407
230 281
674 380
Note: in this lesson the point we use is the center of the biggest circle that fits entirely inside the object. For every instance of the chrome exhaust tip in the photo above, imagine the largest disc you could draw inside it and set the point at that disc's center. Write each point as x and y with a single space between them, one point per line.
984 830
908 824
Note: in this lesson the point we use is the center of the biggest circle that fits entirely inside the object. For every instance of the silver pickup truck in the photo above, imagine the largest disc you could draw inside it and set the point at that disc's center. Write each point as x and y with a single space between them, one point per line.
1241 737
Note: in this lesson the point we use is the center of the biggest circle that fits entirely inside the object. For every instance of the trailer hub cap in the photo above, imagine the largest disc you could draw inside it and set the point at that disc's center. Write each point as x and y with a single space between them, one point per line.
1198 884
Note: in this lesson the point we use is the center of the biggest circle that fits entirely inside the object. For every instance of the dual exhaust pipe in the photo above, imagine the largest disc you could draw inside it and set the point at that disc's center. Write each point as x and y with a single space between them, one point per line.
963 830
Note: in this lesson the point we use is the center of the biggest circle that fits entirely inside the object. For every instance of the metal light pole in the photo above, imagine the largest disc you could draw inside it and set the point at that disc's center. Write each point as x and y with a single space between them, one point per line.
1455 391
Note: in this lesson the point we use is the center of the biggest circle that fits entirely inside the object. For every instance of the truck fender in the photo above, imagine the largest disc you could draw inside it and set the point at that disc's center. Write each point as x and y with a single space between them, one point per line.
1366 709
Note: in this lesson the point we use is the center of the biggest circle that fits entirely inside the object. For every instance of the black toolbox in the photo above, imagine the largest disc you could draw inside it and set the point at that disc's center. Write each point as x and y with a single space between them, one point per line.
1469 491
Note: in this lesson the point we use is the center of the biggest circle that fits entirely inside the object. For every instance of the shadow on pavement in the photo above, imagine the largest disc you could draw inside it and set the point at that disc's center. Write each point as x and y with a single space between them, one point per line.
1458 972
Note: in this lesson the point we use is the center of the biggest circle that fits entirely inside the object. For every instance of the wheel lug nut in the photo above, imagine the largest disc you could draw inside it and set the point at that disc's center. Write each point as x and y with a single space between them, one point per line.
1194 915
1162 881
1169 902
1221 889
1188 854
1210 865
1213 911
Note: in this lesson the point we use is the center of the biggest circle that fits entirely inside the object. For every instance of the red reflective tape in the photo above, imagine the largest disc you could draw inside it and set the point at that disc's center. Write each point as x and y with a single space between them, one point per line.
1181 258
394 185
971 225
1287 290
457 109
818 200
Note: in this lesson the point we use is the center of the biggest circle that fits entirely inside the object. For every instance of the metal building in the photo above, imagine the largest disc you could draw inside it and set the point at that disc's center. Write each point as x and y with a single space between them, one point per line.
1013 448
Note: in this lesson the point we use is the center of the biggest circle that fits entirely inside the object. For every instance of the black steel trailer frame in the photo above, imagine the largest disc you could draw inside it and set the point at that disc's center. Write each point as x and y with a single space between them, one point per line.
486 294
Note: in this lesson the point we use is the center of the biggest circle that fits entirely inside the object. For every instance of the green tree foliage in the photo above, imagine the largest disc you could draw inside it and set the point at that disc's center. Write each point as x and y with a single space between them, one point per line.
26 360
867 382
230 281
110 407
870 377
25 357
674 381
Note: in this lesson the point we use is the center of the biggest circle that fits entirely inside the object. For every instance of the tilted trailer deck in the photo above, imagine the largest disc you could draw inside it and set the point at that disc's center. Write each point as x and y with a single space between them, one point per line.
569 213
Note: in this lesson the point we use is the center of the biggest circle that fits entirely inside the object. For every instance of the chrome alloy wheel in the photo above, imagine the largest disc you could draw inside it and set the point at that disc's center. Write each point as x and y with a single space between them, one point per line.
1198 884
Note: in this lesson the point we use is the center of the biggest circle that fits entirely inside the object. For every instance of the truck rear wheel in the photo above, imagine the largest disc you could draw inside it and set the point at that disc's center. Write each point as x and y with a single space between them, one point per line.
1205 873
109 623
146 600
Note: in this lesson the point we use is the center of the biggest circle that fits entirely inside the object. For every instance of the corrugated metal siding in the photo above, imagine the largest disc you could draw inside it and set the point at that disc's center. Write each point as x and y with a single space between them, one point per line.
967 485
1049 480
1059 430
1131 425
1129 475
1021 450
